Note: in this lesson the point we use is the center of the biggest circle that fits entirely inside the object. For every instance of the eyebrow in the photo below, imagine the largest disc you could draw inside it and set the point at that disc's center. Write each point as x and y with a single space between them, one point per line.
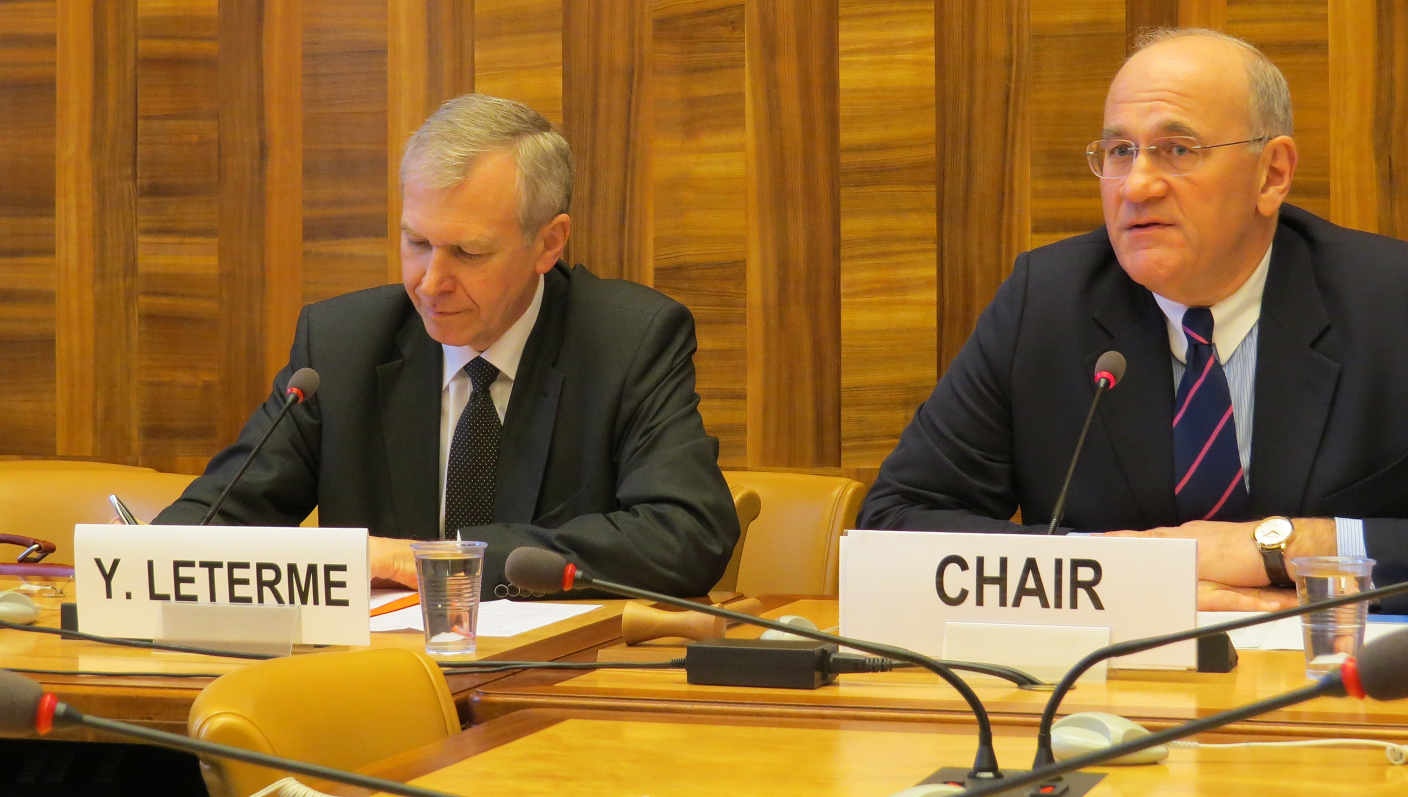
1170 128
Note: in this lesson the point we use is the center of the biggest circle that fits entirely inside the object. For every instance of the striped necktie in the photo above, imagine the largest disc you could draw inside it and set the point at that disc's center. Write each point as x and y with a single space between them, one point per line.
1210 480
474 454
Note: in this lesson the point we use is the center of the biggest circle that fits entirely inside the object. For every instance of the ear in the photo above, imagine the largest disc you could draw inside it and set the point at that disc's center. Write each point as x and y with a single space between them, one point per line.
1276 168
551 241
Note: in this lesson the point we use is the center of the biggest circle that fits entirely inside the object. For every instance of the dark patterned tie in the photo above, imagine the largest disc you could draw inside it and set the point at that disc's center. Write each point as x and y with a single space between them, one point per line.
474 453
1210 483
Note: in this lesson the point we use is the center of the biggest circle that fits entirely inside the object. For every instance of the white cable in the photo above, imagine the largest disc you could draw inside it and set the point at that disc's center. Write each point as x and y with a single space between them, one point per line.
288 787
1397 753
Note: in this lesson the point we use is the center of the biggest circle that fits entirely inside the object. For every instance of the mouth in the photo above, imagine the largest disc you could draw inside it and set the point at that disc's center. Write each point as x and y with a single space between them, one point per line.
1147 225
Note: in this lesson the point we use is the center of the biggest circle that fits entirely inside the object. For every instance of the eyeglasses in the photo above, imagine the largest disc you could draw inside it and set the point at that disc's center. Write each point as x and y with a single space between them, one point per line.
1174 156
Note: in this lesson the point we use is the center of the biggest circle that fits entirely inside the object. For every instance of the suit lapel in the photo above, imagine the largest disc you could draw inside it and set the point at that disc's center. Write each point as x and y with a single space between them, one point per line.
408 392
532 408
1138 413
1295 384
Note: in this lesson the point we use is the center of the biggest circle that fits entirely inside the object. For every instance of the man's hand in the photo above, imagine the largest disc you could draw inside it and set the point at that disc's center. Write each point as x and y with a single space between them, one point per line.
391 560
1228 555
1215 597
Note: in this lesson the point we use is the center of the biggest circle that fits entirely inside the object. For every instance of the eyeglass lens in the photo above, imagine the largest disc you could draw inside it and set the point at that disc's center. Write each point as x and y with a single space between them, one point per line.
1174 156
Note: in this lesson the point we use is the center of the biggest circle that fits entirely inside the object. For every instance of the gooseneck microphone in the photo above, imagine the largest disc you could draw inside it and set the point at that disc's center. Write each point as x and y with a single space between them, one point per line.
1044 756
26 710
541 570
1377 673
1109 370
301 387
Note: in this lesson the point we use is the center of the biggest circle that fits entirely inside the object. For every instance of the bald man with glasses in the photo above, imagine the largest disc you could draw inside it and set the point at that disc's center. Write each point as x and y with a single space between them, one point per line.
1264 411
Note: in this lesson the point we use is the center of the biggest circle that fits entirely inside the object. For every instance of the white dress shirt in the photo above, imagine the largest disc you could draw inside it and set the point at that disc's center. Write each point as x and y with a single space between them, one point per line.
504 354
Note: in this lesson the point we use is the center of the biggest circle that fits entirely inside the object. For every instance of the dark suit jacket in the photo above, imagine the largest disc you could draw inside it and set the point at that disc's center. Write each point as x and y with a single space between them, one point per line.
1330 429
603 455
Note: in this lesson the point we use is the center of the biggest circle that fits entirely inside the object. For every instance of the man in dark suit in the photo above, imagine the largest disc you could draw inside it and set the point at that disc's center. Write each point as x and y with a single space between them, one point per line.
1236 314
498 392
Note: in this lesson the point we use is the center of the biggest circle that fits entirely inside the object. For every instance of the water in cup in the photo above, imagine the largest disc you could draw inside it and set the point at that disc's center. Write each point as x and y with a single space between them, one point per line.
450 574
1333 635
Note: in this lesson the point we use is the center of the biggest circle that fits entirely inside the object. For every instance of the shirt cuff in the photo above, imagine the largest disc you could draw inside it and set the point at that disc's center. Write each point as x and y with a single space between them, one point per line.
1349 535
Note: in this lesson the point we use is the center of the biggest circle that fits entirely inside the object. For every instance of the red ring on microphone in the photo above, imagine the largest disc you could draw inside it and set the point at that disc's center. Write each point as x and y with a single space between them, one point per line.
569 575
1349 674
1106 375
44 717
296 391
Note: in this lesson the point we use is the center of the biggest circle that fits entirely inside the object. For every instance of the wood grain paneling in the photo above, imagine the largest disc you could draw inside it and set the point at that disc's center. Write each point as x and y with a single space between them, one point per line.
282 71
985 218
1075 51
889 232
1142 15
1390 117
344 146
184 347
699 187
605 115
518 52
27 96
1211 14
1295 35
1355 161
96 246
794 380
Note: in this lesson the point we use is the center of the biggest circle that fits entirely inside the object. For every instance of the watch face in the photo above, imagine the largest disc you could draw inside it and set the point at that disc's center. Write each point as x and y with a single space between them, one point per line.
1273 531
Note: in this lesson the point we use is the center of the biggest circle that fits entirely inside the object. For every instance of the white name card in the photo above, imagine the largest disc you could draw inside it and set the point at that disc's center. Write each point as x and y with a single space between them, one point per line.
125 574
904 588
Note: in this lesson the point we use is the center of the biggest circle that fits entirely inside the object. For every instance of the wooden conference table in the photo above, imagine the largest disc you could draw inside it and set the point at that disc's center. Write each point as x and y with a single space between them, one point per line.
582 753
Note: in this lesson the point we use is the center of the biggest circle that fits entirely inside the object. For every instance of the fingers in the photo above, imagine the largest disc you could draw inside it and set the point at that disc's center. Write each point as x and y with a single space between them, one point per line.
1216 597
391 560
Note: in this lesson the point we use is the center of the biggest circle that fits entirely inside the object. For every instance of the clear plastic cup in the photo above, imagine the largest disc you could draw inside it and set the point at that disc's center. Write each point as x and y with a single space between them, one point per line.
450 573
1333 635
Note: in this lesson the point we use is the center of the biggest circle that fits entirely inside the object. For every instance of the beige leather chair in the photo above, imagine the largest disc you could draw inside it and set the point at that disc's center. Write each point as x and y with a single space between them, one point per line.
45 498
747 504
793 545
344 710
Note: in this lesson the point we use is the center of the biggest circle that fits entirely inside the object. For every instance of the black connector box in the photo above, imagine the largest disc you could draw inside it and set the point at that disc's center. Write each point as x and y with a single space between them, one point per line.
784 664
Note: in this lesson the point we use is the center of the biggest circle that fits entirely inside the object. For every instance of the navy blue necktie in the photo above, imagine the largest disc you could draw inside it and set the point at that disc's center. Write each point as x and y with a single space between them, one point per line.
1209 479
474 454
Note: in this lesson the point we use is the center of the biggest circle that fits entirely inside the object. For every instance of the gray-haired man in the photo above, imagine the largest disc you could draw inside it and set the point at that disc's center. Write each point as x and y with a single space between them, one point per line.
501 392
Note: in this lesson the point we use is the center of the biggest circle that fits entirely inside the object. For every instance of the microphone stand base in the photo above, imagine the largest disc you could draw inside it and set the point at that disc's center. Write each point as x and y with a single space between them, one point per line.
1072 784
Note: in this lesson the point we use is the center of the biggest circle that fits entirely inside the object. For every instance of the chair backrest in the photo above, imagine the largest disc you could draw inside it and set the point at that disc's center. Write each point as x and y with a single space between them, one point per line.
345 710
45 499
747 504
793 545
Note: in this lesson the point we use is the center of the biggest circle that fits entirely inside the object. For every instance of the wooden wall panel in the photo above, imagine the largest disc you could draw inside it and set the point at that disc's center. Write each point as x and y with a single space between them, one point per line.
1075 51
27 96
180 358
344 146
1294 34
1390 116
984 97
281 139
605 112
794 381
699 188
1356 161
889 224
518 52
96 224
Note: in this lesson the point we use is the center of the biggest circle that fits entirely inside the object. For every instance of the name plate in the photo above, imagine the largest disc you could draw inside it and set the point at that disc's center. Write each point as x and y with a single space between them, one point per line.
125 574
904 588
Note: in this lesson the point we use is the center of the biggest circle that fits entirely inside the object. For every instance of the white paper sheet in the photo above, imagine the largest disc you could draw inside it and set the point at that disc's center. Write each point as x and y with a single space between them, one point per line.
501 618
1284 634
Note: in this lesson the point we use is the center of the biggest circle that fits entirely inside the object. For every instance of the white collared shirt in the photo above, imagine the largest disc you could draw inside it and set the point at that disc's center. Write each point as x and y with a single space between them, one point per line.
505 355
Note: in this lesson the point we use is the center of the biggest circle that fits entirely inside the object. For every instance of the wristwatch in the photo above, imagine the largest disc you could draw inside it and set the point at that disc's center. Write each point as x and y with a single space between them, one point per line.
1271 537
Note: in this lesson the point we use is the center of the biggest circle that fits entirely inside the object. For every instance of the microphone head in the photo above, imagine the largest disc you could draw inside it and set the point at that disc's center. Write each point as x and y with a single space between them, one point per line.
535 569
304 382
1382 673
1111 366
19 704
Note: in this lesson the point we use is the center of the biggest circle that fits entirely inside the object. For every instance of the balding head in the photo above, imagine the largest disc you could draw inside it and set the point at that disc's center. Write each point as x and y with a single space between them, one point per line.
1193 231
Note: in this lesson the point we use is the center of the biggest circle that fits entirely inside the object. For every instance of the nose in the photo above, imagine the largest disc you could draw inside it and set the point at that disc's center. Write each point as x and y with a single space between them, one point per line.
1144 181
436 278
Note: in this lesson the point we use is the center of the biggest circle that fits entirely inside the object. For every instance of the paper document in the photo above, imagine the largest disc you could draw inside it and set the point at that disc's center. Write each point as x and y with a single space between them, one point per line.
502 618
1283 634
